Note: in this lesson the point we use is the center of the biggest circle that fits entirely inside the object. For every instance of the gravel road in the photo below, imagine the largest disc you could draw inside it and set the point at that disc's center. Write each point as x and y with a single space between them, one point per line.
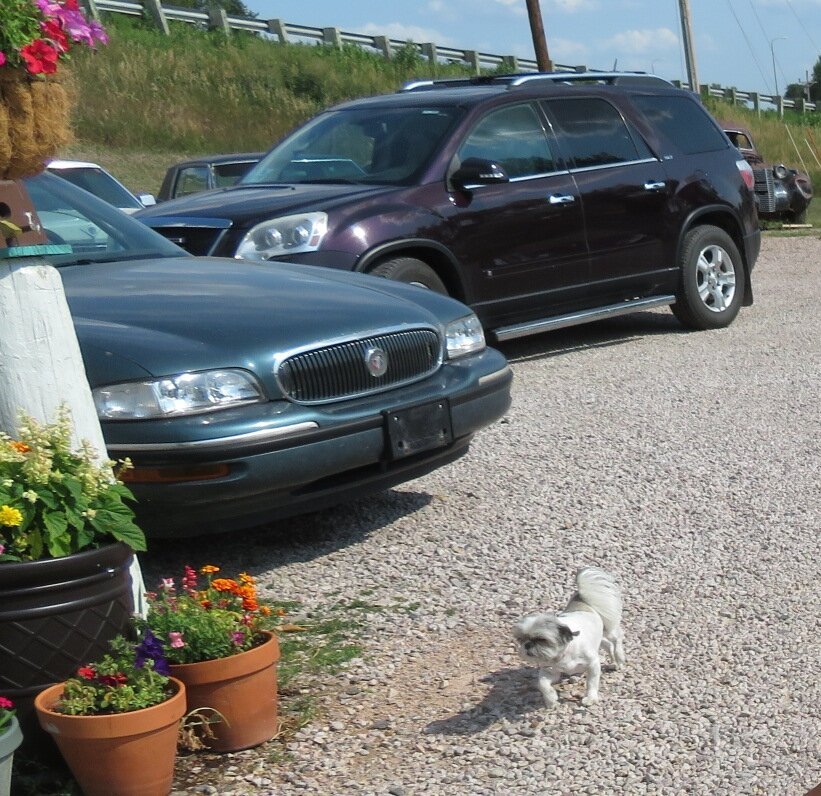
688 464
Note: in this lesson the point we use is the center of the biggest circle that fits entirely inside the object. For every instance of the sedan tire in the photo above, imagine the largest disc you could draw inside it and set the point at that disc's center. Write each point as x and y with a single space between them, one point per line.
712 280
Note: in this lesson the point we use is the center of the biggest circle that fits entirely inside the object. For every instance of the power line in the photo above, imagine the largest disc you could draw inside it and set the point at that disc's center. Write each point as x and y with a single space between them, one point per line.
749 45
804 27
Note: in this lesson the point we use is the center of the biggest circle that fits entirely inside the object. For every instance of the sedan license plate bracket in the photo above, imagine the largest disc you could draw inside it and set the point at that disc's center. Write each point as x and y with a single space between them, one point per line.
419 428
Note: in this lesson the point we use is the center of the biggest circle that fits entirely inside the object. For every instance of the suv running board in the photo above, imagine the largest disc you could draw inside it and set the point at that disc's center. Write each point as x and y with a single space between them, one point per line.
583 316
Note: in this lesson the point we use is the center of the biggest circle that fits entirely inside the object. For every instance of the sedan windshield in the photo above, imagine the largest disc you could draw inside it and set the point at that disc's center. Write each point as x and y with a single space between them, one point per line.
375 146
93 229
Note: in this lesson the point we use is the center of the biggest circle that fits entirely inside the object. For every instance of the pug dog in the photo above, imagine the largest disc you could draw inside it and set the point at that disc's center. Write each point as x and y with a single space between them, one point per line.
569 642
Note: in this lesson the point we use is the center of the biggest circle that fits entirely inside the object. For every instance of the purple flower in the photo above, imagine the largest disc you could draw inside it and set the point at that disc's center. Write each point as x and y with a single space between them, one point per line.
151 648
238 637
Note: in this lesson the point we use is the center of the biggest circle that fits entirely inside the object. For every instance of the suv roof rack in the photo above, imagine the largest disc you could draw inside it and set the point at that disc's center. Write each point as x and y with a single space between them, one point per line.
523 78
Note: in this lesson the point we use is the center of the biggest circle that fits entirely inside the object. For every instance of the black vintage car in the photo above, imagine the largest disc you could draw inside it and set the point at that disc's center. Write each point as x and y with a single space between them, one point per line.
782 193
204 173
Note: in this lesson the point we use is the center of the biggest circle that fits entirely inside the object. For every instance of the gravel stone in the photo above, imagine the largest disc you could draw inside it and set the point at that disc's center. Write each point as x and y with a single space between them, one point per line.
686 463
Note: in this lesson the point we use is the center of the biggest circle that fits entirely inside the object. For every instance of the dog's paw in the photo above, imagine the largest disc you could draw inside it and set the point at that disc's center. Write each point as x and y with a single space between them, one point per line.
589 700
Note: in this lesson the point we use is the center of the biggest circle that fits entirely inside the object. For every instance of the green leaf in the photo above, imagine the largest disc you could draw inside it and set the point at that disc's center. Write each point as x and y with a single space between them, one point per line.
58 539
120 526
47 498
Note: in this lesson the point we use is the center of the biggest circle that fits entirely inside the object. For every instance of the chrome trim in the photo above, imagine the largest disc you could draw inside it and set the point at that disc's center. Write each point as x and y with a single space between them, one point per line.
562 77
269 434
490 378
281 356
584 316
525 178
440 359
613 165
411 85
188 221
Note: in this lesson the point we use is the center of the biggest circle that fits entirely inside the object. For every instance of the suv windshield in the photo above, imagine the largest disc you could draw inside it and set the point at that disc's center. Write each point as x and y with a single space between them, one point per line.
93 229
378 146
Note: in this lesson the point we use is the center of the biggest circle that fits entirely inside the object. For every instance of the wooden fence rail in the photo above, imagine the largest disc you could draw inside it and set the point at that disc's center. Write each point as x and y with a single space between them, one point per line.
217 19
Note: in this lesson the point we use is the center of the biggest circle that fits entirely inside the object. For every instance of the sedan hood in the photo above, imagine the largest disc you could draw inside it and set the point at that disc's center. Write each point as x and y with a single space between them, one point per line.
167 316
251 203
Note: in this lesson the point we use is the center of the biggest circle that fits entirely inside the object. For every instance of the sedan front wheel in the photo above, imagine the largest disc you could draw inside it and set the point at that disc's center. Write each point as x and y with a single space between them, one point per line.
711 281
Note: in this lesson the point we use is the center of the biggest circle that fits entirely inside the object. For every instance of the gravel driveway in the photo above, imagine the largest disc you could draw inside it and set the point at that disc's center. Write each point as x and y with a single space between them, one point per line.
688 464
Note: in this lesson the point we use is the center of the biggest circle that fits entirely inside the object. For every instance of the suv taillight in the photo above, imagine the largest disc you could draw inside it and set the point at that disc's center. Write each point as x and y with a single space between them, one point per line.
746 173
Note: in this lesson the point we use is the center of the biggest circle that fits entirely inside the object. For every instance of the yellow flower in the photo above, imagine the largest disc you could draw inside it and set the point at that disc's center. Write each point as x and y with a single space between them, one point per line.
10 516
209 569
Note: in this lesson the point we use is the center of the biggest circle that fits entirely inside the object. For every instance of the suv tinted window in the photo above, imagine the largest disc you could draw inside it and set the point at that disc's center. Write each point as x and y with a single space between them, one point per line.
683 122
593 132
512 137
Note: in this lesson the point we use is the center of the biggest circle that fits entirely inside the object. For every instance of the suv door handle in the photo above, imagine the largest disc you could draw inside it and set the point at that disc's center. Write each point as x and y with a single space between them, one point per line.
561 199
655 186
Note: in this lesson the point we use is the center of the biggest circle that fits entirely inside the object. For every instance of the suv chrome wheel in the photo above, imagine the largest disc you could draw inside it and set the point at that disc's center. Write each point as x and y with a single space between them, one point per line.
716 278
712 280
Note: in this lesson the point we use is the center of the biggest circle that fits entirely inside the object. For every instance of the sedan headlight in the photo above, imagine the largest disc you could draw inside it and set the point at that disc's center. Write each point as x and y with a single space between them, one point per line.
283 236
184 394
464 336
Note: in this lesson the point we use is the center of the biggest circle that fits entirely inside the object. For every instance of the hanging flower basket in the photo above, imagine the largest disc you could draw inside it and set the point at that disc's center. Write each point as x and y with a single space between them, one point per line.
35 37
34 121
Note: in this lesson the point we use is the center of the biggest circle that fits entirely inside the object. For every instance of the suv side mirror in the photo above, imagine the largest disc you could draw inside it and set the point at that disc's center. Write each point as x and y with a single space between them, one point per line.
146 199
477 171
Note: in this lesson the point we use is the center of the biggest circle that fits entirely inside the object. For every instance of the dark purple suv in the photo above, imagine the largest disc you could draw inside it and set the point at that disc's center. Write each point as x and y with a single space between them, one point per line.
540 200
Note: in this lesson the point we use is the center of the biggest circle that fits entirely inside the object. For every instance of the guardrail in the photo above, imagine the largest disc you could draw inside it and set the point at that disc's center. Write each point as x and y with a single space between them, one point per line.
216 18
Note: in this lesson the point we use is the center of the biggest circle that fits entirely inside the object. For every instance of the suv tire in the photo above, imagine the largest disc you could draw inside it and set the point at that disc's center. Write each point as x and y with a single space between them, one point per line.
411 271
712 283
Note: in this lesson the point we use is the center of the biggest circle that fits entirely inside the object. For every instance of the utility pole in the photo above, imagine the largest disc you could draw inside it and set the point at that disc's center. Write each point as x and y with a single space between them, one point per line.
689 52
534 14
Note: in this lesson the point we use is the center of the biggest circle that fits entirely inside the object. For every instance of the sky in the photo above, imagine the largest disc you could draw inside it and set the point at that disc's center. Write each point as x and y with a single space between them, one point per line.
734 40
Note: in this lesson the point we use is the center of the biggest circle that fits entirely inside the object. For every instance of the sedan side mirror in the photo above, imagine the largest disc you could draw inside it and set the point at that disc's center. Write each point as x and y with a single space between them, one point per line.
477 171
146 199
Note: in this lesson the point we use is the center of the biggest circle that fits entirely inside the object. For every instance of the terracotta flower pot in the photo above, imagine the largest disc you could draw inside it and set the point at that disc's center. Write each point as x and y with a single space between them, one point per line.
10 739
243 688
119 754
34 121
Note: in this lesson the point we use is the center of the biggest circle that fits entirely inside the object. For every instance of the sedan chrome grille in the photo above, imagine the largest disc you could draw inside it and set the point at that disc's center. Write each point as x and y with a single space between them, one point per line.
342 370
764 190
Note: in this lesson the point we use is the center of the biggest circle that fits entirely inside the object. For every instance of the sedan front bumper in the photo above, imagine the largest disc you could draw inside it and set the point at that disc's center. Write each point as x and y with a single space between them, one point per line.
246 466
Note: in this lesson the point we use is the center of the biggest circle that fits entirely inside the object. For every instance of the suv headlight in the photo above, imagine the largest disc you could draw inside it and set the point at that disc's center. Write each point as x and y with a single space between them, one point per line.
464 336
281 236
184 394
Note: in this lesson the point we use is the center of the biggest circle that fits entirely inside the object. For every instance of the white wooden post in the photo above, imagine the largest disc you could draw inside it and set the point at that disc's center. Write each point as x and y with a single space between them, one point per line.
40 362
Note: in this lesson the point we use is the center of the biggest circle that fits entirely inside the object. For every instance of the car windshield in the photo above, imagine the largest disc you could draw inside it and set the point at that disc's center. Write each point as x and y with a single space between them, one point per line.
375 146
100 184
93 229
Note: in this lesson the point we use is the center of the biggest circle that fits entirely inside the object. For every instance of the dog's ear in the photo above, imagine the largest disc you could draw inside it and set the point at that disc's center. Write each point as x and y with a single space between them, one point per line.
566 634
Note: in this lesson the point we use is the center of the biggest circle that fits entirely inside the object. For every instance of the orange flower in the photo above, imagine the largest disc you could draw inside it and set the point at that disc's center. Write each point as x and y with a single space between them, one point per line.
209 569
265 610
246 579
225 584
20 447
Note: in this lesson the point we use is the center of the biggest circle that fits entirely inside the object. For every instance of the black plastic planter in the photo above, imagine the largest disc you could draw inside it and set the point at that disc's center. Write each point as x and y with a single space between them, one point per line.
55 615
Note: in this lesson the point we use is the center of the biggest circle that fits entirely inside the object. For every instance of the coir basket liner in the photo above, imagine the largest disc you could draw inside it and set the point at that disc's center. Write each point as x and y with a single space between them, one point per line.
34 121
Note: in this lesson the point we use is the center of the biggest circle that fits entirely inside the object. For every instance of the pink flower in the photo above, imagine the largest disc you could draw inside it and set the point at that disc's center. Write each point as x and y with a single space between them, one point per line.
167 583
2 61
6 703
176 640
238 637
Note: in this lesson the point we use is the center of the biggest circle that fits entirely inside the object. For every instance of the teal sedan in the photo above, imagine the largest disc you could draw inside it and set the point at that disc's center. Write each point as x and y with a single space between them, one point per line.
245 392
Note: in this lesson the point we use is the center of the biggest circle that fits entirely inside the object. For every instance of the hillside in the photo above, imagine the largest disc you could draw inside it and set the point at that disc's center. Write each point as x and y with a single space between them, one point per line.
147 100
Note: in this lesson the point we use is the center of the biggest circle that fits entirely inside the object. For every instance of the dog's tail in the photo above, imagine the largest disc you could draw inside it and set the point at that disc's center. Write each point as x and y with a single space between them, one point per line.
598 589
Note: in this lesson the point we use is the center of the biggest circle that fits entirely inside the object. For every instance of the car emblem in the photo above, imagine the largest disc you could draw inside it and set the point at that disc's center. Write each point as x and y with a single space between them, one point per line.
376 361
